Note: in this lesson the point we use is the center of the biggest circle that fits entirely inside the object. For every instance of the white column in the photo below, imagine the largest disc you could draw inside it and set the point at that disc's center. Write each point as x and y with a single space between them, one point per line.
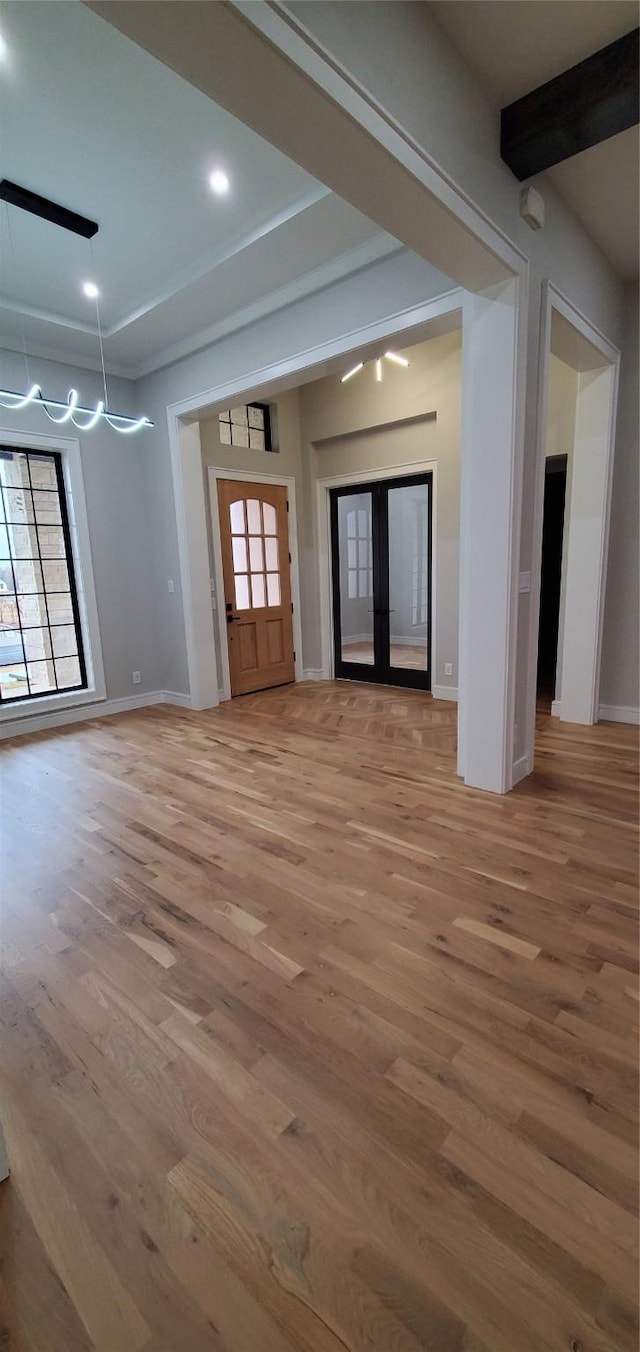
491 480
195 565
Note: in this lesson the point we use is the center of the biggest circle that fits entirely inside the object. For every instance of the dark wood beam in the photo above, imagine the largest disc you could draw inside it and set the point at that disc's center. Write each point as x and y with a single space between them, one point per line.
585 105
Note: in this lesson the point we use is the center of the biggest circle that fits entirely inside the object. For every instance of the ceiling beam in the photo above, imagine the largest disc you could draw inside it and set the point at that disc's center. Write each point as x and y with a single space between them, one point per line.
320 122
587 104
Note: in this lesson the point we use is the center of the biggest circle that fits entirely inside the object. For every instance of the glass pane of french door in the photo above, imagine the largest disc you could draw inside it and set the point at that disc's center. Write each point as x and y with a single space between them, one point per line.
355 552
408 520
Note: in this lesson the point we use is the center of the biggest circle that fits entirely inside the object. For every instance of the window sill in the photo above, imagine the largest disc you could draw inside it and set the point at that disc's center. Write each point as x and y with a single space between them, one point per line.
49 704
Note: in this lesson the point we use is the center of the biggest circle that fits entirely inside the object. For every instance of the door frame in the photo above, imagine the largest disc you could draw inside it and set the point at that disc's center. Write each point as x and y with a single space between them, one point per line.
580 639
215 472
325 563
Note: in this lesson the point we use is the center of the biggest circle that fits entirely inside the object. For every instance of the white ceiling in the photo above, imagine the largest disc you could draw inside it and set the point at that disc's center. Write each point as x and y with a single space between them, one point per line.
516 45
92 121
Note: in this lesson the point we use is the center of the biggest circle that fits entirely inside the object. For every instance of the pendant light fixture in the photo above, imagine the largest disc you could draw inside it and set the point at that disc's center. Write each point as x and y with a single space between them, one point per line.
386 356
71 411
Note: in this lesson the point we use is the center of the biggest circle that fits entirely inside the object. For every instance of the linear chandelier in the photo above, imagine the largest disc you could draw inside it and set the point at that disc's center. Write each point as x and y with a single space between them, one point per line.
120 422
387 356
26 200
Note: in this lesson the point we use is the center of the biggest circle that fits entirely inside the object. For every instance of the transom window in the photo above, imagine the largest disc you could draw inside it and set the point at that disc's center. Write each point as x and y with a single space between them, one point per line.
40 635
248 426
256 563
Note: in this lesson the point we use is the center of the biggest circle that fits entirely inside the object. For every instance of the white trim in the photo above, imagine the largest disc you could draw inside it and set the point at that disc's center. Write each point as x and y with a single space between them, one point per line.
86 361
195 271
323 509
345 265
492 453
214 473
186 468
521 768
618 713
609 713
69 448
289 35
554 299
309 361
310 675
449 692
193 552
82 713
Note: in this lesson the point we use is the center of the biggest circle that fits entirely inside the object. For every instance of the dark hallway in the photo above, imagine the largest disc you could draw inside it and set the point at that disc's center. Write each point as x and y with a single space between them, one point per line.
555 486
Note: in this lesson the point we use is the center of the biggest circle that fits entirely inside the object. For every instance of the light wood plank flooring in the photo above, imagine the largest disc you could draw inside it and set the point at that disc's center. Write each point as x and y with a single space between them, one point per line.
306 1047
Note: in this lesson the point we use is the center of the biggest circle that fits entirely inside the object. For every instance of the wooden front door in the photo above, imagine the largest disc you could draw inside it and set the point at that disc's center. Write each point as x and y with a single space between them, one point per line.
254 537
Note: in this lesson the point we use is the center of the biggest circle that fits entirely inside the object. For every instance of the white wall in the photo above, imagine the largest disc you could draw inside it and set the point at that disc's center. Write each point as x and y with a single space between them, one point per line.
117 510
620 680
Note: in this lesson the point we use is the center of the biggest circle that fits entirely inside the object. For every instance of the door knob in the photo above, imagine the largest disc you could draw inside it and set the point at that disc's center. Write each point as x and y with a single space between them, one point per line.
231 618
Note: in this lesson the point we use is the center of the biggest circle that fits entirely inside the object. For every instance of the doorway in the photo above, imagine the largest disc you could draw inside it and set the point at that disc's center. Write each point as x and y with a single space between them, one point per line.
381 577
254 544
555 489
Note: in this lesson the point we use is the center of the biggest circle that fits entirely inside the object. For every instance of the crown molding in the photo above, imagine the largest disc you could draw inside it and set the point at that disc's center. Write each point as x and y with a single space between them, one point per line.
49 316
346 265
196 271
53 354
180 280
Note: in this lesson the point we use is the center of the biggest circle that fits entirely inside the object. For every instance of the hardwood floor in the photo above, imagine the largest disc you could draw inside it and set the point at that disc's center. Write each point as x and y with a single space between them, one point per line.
307 1047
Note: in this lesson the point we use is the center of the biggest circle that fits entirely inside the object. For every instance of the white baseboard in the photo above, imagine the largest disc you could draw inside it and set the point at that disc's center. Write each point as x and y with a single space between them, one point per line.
521 769
58 718
618 713
171 697
608 713
313 674
445 692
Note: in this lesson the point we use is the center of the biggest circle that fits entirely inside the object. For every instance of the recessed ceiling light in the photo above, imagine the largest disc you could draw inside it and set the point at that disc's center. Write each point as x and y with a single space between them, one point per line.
219 183
90 290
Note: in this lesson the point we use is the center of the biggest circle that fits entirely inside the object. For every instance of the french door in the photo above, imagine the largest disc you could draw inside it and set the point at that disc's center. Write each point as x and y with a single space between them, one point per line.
381 568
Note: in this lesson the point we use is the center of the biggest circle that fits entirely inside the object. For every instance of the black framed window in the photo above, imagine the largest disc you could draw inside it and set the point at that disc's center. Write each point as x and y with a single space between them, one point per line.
248 426
41 650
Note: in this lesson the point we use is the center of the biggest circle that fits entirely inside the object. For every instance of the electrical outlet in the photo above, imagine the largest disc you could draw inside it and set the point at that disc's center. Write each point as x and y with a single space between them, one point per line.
171 586
136 677
448 668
